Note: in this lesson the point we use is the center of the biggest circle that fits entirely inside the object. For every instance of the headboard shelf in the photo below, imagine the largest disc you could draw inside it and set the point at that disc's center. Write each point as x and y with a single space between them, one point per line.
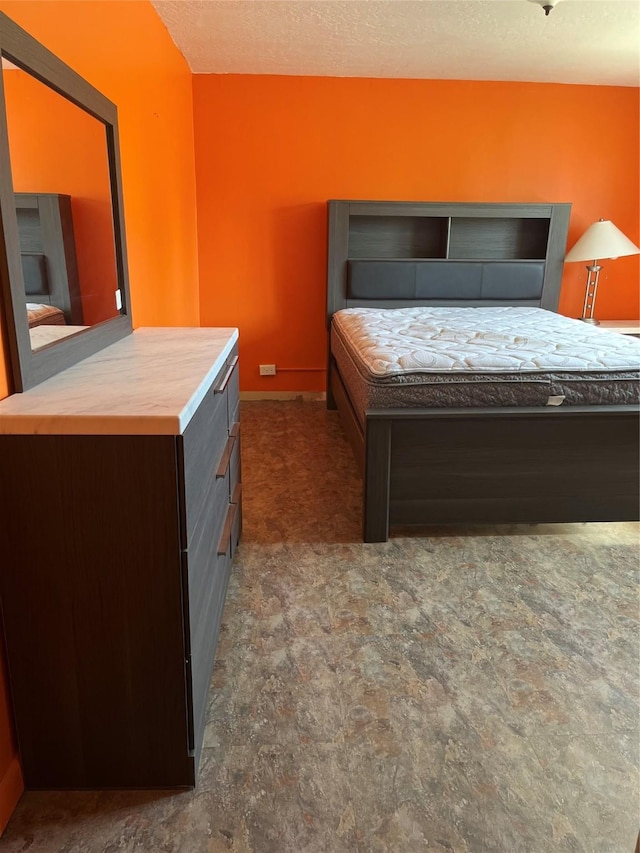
448 237
403 236
498 238
445 253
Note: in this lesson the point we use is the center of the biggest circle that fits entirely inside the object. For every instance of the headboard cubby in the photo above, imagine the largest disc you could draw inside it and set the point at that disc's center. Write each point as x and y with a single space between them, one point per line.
396 254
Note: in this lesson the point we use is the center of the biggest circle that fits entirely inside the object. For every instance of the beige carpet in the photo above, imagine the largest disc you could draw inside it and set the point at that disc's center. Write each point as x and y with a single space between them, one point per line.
456 690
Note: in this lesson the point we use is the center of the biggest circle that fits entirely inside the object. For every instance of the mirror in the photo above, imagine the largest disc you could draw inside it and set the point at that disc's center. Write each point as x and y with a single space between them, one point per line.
63 205
63 274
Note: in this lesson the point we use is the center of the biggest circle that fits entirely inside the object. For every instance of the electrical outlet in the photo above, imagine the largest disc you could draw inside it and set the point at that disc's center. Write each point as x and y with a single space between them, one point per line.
267 370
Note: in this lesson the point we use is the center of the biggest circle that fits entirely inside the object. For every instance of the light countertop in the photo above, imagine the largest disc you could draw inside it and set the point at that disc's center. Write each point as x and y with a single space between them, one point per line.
149 383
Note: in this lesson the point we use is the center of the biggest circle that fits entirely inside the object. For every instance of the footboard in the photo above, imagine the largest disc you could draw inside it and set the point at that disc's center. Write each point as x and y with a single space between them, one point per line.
478 466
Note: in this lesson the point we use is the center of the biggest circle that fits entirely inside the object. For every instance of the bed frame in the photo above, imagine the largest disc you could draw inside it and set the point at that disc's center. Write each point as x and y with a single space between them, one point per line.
471 466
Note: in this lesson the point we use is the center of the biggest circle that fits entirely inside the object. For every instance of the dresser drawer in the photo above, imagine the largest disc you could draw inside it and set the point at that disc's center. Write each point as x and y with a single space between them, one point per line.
211 527
233 391
236 525
227 384
204 443
206 565
202 551
234 457
235 416
204 637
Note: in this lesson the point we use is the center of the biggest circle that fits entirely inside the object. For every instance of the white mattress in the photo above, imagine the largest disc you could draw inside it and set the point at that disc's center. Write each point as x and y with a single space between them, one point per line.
395 342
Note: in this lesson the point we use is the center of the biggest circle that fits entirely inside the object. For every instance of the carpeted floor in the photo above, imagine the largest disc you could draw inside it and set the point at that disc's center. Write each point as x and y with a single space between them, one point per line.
457 690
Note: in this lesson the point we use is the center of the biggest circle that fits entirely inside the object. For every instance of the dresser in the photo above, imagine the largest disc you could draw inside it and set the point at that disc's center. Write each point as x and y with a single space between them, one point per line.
121 498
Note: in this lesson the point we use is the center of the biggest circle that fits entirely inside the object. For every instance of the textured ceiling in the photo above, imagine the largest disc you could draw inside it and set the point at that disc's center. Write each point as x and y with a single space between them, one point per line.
581 41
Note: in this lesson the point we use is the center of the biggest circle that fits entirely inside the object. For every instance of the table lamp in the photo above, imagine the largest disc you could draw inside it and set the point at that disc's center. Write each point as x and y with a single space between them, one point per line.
600 240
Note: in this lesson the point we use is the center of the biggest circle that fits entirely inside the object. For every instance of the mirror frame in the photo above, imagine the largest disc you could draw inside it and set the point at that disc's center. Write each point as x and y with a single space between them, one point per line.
30 367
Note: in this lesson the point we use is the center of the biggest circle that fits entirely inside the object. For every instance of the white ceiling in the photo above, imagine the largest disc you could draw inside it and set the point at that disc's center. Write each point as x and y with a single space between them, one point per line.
581 41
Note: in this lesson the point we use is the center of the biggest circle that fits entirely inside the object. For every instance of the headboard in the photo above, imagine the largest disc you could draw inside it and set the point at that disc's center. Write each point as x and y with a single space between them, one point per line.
401 254
48 253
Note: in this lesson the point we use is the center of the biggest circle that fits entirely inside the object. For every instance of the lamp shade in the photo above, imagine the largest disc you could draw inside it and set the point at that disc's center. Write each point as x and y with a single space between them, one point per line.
601 240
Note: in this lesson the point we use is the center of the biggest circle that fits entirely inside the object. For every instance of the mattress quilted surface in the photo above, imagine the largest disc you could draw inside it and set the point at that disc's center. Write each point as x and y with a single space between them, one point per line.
390 343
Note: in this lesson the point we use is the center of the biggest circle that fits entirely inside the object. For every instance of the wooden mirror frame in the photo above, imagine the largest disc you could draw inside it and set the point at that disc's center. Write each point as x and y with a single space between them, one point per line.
30 367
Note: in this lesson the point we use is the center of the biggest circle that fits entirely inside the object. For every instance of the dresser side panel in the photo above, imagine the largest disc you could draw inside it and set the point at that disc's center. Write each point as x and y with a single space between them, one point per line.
92 608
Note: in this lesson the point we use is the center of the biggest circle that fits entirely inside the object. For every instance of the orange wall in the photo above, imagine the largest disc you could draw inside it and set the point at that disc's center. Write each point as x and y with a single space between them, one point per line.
271 150
124 50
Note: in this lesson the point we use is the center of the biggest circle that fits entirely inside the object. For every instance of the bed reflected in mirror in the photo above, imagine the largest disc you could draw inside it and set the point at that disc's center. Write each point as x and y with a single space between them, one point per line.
60 170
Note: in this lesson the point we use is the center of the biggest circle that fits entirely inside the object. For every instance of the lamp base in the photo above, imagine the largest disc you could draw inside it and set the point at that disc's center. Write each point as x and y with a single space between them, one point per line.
591 320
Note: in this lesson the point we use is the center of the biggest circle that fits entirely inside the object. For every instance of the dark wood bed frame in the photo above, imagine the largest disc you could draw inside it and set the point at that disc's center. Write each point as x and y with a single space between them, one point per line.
472 466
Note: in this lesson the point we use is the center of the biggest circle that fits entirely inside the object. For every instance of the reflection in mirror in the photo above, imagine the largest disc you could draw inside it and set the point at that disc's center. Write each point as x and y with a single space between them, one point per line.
62 135
62 187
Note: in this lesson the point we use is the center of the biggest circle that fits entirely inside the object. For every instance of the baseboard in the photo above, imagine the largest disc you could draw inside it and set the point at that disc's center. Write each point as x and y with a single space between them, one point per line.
11 789
300 396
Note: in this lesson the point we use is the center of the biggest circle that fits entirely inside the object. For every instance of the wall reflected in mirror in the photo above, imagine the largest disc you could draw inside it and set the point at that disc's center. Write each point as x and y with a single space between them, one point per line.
60 172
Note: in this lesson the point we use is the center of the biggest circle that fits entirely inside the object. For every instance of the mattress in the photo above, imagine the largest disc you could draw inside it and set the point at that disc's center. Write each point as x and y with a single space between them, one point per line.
496 356
44 315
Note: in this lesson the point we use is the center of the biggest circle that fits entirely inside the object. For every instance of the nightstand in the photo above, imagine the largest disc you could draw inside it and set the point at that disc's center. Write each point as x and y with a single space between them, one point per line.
624 327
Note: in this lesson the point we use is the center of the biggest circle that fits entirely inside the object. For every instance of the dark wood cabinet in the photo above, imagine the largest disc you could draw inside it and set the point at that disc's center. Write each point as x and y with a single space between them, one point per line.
116 552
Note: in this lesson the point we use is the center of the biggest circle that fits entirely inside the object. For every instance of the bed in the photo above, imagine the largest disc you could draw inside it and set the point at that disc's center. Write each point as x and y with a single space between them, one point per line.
511 445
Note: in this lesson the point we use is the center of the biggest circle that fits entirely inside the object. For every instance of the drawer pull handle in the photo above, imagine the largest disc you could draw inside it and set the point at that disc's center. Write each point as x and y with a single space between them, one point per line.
235 429
225 459
237 494
227 376
225 536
